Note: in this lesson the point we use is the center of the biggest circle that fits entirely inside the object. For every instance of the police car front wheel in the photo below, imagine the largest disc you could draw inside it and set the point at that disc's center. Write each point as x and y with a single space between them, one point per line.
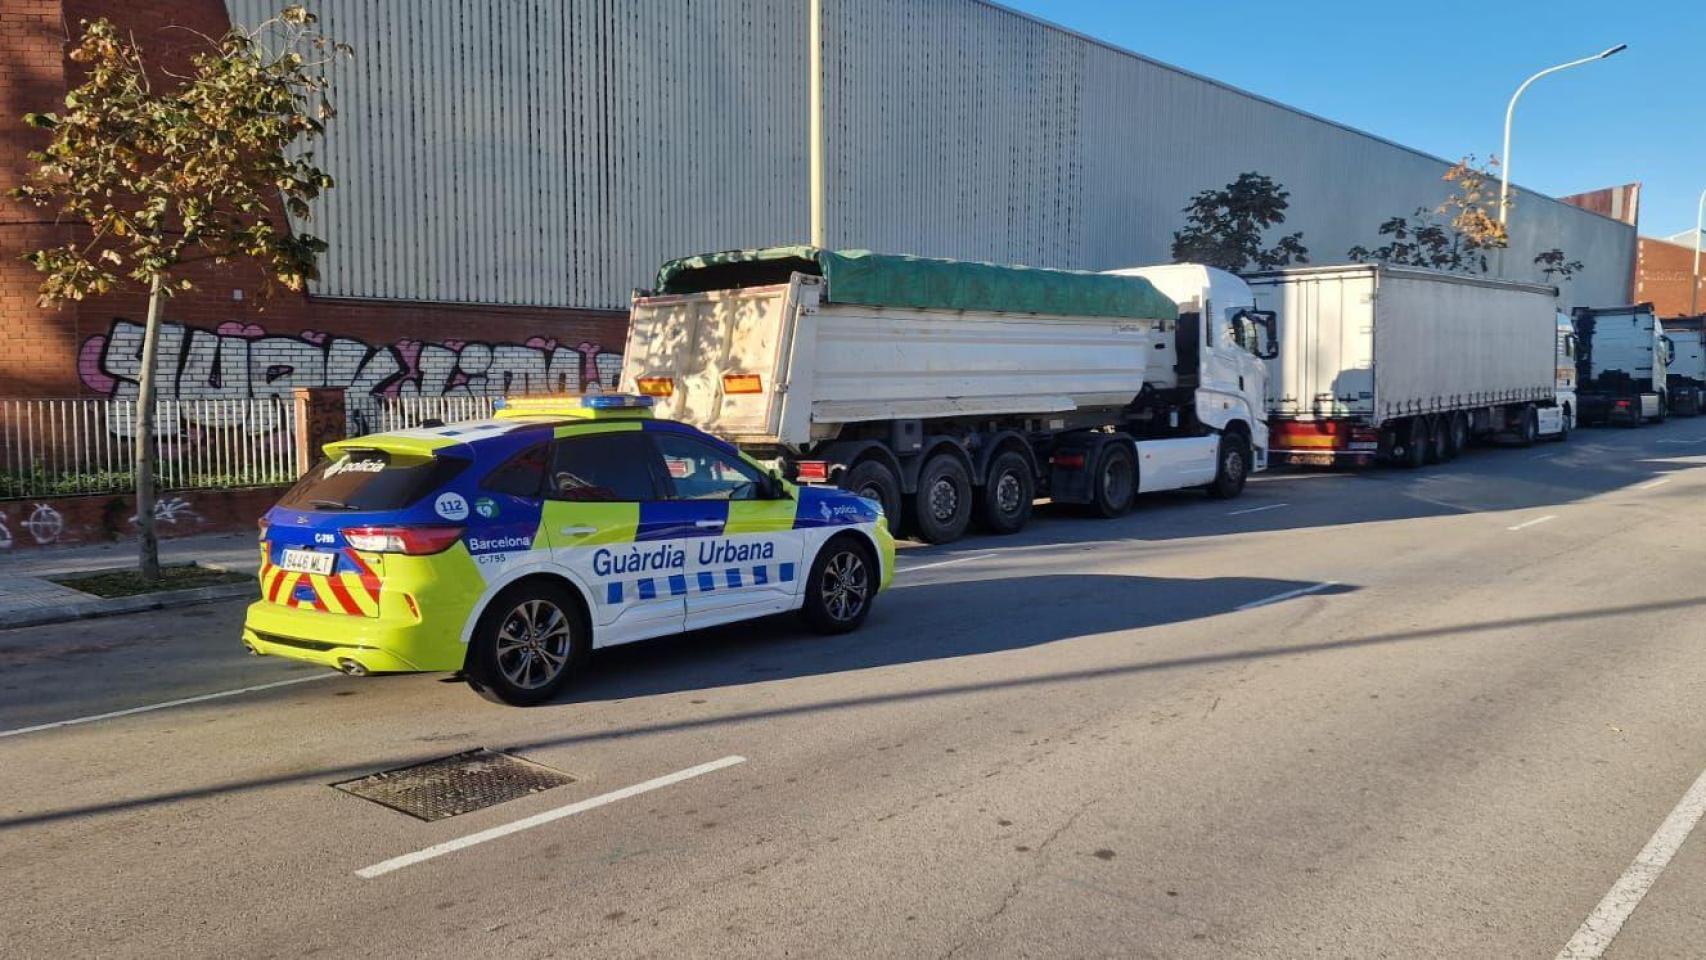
527 644
843 581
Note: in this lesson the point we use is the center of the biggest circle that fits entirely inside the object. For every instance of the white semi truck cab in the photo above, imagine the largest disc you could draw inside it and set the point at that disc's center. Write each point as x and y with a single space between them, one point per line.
1685 373
951 391
1620 365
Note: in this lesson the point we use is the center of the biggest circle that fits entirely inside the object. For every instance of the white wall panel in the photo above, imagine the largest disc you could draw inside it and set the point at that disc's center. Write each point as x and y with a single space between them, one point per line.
553 152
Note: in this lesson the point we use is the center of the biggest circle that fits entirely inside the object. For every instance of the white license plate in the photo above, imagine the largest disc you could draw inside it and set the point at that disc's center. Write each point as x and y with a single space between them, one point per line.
308 561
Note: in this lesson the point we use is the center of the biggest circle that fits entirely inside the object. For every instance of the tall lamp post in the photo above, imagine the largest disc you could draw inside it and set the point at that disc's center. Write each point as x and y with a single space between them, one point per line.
1510 111
1694 291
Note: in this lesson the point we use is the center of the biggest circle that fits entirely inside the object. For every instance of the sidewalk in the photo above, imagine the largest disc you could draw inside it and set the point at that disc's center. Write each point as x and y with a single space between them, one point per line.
27 598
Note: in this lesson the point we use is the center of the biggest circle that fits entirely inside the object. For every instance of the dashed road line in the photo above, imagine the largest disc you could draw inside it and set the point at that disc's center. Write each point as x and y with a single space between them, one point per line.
943 563
1535 522
1602 925
1271 506
149 708
540 819
1276 598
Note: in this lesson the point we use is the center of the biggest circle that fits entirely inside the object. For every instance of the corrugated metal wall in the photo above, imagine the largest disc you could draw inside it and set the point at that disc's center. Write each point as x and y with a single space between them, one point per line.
555 151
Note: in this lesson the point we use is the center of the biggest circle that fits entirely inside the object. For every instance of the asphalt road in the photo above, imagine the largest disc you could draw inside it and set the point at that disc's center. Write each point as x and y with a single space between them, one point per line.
1476 701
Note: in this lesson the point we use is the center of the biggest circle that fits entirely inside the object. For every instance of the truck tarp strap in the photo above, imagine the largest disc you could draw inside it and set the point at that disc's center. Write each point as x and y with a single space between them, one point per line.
886 280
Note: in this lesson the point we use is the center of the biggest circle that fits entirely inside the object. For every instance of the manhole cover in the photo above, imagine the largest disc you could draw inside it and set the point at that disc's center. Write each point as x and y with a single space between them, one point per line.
456 784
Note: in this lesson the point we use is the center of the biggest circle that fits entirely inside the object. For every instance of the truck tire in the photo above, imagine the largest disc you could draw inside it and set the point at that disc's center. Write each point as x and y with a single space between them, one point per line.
873 480
1438 427
1530 429
1456 435
841 586
941 509
1114 489
1233 469
1566 423
1004 503
1412 451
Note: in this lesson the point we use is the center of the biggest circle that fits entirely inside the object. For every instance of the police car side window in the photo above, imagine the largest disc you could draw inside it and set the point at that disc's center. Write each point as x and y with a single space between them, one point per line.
602 468
699 471
522 475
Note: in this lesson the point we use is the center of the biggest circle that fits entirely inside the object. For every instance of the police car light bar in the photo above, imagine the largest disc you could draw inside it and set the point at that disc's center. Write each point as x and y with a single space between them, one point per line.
616 401
591 401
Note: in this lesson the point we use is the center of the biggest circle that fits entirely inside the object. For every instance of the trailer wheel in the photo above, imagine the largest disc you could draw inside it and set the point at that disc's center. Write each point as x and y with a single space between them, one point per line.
1116 481
941 509
1437 440
1412 452
1004 503
873 480
1233 470
1456 435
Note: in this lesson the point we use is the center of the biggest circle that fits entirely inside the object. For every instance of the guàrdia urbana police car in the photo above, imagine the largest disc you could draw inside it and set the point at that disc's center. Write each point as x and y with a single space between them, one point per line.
509 548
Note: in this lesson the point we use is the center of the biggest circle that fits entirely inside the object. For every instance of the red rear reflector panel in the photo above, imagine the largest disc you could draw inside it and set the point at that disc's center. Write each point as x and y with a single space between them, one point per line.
812 471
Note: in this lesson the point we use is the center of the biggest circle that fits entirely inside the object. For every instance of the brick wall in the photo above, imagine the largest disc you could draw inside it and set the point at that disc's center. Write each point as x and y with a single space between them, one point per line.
1664 272
225 338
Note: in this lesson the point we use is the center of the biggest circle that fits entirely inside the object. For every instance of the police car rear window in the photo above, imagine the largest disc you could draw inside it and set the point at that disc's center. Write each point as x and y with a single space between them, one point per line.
370 480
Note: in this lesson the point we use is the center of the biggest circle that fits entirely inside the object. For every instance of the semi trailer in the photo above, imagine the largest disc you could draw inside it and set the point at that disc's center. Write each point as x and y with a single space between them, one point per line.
1620 365
1406 365
951 391
1685 373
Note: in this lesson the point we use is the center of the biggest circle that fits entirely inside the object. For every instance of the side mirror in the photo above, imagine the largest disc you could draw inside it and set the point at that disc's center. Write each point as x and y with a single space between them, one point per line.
1258 332
774 487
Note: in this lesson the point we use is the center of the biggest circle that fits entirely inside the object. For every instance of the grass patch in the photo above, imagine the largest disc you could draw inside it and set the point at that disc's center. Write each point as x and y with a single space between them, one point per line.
129 583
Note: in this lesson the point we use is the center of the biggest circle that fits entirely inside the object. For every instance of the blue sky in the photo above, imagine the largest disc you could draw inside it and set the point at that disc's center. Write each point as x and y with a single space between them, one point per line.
1436 76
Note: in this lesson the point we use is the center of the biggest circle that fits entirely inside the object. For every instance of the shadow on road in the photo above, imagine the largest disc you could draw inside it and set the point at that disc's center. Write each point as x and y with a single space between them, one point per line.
329 774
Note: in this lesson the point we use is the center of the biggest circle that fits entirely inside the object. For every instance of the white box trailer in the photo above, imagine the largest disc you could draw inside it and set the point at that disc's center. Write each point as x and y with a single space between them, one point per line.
947 390
1685 373
1620 364
1376 361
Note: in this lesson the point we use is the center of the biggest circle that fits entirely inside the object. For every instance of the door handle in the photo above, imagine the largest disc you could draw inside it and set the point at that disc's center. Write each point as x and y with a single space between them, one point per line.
709 524
578 531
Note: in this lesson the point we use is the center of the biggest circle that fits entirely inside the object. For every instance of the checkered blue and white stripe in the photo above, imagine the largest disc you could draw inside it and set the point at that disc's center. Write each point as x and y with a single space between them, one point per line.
617 592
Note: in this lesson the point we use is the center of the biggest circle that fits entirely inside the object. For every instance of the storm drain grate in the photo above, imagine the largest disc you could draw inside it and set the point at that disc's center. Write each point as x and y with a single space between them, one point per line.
457 784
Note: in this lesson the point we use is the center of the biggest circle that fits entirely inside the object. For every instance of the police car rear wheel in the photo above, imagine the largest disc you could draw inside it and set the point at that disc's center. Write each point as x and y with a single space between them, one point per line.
526 645
842 584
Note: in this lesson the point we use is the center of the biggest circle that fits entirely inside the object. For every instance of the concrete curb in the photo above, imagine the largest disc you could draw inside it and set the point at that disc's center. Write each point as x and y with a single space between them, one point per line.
113 606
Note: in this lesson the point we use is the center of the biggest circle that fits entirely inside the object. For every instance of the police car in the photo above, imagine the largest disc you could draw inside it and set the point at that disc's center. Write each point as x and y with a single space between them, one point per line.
509 548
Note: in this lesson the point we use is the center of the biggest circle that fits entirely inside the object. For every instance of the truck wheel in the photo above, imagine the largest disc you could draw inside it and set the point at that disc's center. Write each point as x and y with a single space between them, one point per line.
1530 430
1456 430
1438 427
1566 423
527 644
842 584
873 480
1116 481
1233 469
941 509
1004 504
1413 452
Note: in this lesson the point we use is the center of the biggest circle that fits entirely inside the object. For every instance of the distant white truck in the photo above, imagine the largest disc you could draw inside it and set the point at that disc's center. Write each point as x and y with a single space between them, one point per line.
951 391
1407 365
1620 364
1685 374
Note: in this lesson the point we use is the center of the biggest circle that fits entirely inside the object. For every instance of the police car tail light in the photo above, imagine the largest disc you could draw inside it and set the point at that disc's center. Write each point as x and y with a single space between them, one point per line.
411 540
656 386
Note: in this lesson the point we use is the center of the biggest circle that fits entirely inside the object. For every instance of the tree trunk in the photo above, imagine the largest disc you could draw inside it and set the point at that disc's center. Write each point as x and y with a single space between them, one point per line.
148 541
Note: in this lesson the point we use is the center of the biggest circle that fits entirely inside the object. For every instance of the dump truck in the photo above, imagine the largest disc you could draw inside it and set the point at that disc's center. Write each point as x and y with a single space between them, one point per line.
1406 365
951 391
1620 365
1685 373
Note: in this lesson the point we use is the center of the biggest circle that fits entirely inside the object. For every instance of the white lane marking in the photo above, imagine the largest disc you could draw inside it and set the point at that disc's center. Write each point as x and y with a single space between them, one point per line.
943 563
1601 926
1543 456
1300 591
1701 440
1535 522
1656 483
1271 506
166 705
540 819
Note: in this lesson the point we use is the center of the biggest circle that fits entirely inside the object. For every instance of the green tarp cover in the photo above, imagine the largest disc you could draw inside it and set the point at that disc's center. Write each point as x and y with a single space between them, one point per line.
887 280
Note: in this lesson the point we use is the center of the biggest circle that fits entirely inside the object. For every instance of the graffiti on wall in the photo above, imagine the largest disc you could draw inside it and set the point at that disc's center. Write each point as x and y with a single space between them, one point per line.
243 360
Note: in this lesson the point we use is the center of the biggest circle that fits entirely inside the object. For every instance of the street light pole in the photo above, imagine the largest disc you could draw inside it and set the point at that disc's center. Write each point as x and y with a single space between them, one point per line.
1694 291
1510 111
